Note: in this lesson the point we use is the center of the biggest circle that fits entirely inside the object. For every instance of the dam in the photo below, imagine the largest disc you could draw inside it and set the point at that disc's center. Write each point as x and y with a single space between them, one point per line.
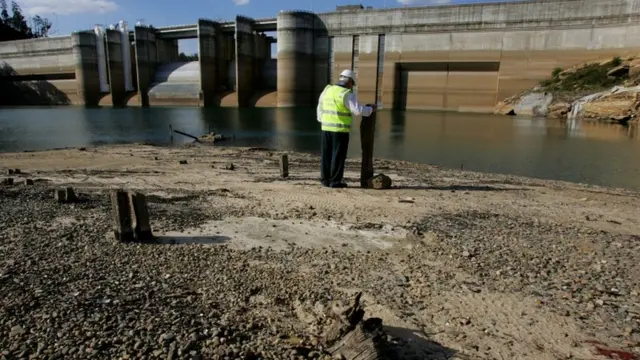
447 57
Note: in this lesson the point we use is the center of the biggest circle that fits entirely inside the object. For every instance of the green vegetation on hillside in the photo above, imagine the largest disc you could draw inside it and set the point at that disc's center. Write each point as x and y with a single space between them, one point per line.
15 27
586 78
184 57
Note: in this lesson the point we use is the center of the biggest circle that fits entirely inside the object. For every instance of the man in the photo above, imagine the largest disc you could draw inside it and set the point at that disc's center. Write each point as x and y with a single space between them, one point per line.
336 105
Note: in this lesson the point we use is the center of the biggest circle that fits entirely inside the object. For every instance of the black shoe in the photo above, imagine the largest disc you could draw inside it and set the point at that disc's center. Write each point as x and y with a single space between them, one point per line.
339 186
325 183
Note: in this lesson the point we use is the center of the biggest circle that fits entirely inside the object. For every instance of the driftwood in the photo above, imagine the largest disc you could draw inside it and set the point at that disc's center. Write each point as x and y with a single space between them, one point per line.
185 134
352 338
211 137
367 130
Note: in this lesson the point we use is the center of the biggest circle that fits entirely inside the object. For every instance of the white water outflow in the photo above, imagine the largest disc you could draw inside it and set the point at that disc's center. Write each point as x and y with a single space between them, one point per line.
126 55
102 59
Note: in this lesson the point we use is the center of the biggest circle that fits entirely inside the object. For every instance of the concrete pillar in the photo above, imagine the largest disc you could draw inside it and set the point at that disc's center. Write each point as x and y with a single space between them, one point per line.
116 68
296 58
262 51
367 70
208 52
226 63
321 65
85 55
146 61
244 60
167 50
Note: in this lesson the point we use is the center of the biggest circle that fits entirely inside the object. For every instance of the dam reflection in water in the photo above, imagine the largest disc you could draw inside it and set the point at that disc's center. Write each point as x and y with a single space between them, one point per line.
584 152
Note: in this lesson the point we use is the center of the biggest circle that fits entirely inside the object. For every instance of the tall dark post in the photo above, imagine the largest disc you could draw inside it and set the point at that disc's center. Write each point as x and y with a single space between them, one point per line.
367 130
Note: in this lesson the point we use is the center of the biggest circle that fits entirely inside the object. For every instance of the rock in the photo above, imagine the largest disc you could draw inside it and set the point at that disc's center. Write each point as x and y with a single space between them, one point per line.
16 331
17 171
618 71
533 104
380 181
167 337
183 162
229 166
621 119
634 71
562 107
559 111
7 181
28 182
503 108
10 172
612 106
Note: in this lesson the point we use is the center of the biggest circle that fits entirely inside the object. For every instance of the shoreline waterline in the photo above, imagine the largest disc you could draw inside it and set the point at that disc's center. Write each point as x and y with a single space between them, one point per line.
577 152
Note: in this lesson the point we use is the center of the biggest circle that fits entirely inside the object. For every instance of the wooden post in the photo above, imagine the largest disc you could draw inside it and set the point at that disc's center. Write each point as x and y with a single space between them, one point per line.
171 133
65 195
284 165
140 217
121 216
367 130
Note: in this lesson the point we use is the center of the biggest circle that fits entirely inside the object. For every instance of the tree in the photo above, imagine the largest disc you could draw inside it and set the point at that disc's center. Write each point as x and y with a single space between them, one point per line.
18 21
184 57
41 26
4 14
15 27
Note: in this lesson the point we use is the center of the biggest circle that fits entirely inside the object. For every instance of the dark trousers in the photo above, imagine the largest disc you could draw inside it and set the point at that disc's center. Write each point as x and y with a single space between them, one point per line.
333 155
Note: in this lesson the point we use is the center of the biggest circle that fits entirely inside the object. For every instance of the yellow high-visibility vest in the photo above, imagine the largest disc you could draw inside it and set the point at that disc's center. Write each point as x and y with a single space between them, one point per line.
335 116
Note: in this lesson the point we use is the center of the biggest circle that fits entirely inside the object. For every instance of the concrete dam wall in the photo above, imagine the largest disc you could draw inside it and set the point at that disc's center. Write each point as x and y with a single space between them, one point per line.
454 57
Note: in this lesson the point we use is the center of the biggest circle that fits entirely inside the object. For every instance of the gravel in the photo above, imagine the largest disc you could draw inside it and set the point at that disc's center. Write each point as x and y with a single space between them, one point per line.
68 291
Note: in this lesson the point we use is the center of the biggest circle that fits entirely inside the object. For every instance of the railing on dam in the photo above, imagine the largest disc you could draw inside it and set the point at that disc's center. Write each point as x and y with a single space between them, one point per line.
190 31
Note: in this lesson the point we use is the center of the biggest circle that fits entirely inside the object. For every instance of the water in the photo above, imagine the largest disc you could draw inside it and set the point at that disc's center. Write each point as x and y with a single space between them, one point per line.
591 153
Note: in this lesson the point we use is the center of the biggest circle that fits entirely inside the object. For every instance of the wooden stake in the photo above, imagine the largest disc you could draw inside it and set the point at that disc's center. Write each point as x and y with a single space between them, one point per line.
140 217
171 133
284 165
367 131
121 216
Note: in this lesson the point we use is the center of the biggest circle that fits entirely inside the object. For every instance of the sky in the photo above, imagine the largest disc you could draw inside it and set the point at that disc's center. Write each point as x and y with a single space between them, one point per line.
68 16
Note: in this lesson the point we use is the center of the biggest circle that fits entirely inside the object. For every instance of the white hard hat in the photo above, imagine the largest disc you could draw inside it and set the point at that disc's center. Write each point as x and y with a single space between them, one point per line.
348 73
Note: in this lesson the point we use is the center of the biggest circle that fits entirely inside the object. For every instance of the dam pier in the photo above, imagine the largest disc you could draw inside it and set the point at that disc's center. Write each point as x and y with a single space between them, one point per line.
449 57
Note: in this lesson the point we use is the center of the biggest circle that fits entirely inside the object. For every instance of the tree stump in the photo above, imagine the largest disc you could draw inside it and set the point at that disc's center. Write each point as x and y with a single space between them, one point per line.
367 131
140 217
130 216
284 165
354 339
121 216
66 195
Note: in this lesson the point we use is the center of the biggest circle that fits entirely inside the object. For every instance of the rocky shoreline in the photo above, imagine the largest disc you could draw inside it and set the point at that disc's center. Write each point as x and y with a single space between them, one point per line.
604 91
457 264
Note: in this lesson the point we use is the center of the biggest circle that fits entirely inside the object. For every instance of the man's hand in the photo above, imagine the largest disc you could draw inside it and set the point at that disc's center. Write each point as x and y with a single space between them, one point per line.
373 107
